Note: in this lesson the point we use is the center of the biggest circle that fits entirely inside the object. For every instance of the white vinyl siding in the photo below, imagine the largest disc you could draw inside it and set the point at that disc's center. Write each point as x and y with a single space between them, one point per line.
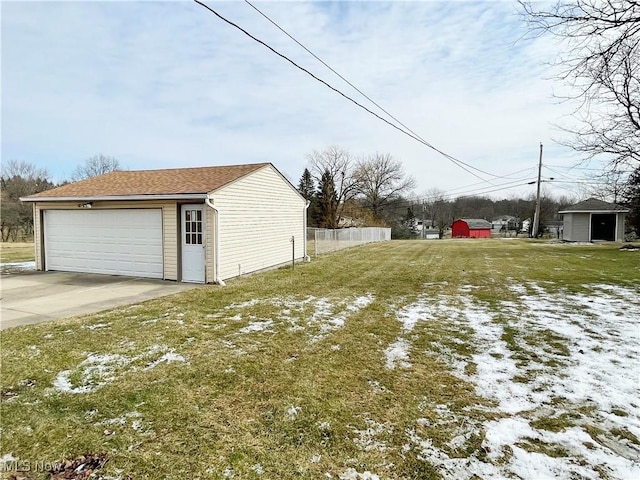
567 227
115 242
258 215
210 237
579 227
620 227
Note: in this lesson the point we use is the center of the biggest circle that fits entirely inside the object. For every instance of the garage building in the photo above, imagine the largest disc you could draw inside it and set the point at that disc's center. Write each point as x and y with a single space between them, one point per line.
593 220
202 225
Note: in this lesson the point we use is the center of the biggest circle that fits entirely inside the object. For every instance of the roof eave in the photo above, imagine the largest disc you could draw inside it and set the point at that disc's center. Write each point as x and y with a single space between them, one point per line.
622 210
114 198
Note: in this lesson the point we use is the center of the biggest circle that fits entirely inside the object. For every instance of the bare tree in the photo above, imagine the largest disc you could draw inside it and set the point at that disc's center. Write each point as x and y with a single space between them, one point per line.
380 179
26 170
438 209
334 165
601 64
94 166
19 179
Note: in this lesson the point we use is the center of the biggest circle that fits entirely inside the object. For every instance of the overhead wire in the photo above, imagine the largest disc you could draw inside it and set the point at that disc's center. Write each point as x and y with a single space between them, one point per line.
408 133
508 176
446 155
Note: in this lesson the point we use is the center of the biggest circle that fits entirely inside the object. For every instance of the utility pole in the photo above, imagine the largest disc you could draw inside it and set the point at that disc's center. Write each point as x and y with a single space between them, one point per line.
536 215
424 208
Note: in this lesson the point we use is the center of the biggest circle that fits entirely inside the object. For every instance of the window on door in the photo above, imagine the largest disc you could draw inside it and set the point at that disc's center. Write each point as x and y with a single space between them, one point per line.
193 227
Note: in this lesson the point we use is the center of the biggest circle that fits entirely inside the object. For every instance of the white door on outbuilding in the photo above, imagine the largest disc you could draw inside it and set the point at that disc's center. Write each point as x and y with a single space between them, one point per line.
193 243
115 241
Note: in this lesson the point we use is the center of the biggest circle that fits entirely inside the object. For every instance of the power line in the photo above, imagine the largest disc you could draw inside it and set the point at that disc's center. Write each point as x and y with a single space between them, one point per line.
454 160
508 176
446 155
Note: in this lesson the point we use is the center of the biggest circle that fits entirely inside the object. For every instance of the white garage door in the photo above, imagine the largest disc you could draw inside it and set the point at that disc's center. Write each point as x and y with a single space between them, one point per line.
115 242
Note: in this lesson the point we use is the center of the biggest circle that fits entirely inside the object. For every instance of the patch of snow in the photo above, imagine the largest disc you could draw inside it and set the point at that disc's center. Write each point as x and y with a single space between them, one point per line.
376 387
592 337
366 439
7 457
352 474
121 420
250 303
293 411
316 458
258 327
99 369
397 354
324 426
168 357
97 326
331 316
258 469
96 370
22 266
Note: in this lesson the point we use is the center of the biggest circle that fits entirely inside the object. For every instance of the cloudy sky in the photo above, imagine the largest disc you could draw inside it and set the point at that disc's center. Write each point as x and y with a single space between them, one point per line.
168 84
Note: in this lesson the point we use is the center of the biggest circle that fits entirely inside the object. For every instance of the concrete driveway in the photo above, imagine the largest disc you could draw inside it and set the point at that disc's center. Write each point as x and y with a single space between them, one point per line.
34 297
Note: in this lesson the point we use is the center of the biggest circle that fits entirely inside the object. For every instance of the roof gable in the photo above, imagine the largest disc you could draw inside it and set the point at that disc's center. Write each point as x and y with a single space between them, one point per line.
476 222
178 181
594 205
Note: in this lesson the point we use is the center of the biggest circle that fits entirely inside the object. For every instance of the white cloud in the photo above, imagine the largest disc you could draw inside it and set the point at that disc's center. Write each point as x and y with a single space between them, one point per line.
168 84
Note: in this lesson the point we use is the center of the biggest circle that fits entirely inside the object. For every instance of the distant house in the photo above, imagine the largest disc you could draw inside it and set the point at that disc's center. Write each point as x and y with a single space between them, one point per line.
349 222
426 225
471 228
431 234
505 222
593 220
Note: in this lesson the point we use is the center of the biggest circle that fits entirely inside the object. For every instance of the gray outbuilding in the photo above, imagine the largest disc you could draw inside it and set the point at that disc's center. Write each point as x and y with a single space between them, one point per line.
594 220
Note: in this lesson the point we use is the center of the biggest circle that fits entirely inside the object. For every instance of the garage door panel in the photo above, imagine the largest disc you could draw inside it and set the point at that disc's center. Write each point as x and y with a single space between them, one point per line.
116 242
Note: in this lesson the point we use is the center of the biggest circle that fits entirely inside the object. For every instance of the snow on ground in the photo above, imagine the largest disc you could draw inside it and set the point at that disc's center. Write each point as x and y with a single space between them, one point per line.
318 316
398 354
258 327
97 370
12 267
547 355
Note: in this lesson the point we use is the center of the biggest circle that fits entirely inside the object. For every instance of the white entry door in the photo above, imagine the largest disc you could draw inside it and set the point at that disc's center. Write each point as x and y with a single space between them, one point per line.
193 243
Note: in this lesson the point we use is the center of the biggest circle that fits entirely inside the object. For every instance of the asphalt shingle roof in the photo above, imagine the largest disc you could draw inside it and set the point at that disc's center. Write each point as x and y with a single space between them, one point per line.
476 222
152 182
594 205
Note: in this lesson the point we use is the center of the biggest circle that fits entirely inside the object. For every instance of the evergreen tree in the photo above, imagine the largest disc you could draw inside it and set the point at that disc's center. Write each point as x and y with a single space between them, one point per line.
327 202
307 188
406 228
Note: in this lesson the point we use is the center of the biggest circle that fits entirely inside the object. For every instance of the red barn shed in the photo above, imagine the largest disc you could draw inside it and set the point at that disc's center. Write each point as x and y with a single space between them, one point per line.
471 228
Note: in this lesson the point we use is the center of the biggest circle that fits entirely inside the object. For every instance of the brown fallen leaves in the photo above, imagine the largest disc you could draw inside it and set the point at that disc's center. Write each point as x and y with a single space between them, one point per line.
81 467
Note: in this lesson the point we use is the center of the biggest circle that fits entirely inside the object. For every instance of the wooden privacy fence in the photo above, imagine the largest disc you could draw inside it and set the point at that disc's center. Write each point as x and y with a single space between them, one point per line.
324 240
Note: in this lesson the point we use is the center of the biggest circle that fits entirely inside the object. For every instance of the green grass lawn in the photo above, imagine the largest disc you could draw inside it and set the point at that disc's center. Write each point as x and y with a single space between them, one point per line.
16 252
406 359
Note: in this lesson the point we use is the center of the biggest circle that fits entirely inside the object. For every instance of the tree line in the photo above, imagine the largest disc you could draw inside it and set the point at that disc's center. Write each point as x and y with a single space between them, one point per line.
343 189
21 179
373 190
